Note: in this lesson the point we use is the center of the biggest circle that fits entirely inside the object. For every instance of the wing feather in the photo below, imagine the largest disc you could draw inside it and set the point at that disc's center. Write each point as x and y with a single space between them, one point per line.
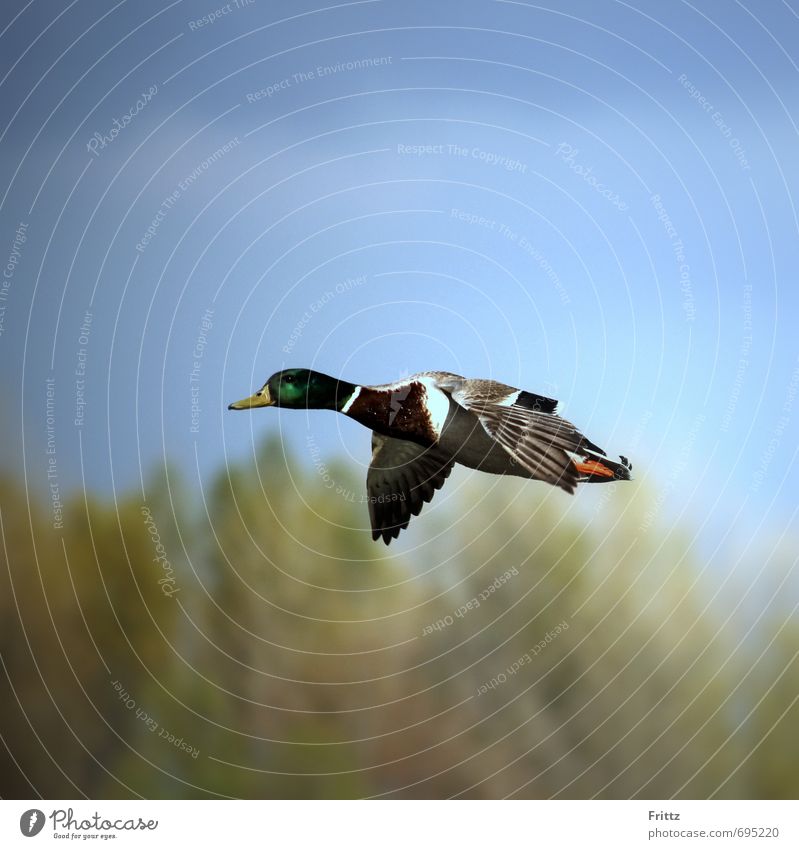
525 425
402 477
543 454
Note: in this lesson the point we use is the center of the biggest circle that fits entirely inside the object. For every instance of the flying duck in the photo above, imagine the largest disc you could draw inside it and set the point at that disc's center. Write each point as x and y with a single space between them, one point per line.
422 425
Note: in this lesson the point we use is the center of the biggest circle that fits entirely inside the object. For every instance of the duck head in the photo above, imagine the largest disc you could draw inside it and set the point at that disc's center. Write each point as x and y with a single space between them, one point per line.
300 389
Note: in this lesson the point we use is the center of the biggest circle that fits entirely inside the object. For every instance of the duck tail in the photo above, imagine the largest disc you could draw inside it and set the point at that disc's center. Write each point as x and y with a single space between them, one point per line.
596 469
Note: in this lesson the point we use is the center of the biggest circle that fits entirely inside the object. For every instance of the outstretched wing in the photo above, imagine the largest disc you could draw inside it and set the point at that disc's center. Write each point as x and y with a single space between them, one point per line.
543 443
401 478
526 426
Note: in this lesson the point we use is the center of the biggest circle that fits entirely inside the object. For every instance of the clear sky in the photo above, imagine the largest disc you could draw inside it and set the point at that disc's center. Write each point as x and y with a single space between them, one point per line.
594 201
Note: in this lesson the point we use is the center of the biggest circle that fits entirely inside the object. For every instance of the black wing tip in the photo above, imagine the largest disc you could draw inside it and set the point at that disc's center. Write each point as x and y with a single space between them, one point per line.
385 533
567 481
390 533
590 446
539 403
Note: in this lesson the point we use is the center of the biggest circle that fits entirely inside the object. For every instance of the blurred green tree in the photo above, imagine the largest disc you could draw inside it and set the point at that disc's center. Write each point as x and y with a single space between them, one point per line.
514 643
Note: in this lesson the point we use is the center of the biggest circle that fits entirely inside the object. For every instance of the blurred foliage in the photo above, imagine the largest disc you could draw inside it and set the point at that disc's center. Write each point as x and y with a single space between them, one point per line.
297 658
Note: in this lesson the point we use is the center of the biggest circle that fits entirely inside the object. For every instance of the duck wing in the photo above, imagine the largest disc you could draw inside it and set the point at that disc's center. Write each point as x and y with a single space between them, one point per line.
528 428
401 478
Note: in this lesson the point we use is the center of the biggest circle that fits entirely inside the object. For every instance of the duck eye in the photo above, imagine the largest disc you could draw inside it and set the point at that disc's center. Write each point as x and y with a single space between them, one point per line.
289 378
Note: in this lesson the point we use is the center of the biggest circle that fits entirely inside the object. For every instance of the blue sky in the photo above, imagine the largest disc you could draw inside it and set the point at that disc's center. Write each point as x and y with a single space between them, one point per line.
594 202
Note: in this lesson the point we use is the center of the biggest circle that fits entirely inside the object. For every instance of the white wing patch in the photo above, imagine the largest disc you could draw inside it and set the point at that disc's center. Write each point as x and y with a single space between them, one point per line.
437 403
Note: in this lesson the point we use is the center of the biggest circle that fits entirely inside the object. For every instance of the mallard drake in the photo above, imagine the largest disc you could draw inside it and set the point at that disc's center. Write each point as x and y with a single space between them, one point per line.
422 425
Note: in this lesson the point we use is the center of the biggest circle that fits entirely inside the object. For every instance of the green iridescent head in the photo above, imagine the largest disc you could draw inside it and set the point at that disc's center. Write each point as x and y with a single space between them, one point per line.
299 389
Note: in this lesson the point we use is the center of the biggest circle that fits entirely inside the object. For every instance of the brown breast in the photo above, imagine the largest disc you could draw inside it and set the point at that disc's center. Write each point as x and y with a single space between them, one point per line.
400 412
